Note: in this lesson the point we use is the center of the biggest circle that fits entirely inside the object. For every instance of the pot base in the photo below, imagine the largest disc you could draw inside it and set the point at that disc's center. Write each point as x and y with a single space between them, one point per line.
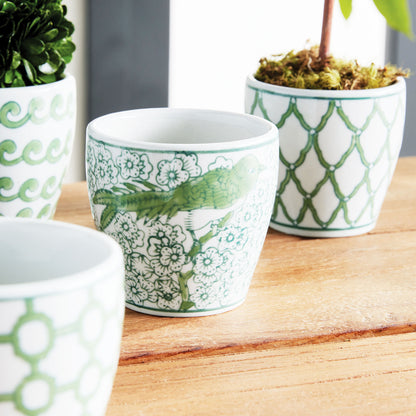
320 233
188 314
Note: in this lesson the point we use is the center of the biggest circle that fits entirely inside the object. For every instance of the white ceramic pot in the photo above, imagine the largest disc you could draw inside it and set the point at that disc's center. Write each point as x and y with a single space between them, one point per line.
338 152
37 125
61 309
188 194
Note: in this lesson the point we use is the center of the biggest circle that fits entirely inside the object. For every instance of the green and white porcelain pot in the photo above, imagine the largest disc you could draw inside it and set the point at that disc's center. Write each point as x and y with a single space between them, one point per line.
338 152
188 194
37 125
61 316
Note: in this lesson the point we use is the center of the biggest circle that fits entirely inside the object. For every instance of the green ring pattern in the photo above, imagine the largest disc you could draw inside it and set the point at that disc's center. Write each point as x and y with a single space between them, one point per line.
312 144
59 109
35 360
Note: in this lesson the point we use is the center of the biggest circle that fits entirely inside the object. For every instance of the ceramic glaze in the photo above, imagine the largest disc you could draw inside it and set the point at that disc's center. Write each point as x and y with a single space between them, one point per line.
188 194
61 308
338 152
36 134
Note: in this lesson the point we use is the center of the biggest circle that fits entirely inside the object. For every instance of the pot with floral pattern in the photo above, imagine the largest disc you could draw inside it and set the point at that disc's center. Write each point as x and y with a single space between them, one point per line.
36 133
188 195
338 152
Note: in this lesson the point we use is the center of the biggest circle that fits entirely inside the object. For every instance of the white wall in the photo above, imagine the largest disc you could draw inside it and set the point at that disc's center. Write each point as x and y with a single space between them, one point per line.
77 14
214 44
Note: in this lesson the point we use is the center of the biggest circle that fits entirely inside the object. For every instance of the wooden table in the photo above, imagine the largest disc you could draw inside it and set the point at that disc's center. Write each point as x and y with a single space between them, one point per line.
328 328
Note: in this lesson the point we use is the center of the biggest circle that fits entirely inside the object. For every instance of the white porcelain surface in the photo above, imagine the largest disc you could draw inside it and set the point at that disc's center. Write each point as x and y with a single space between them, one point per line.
188 195
61 314
338 152
36 134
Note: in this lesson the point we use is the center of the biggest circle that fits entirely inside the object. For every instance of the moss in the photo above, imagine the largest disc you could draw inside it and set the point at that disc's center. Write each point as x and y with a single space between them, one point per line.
304 69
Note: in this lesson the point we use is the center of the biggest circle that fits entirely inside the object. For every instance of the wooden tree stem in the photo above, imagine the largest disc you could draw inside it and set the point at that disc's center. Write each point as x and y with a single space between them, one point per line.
326 30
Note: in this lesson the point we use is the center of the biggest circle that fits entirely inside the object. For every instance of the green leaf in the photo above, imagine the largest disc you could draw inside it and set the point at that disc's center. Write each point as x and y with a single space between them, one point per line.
8 76
186 304
55 59
33 46
131 187
62 34
9 7
33 25
346 7
50 35
30 70
40 59
397 15
65 48
107 216
18 81
69 26
35 42
16 60
47 78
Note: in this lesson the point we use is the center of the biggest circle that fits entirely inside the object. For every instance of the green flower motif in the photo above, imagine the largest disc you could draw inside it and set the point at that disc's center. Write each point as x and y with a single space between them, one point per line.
121 240
171 173
169 293
250 213
232 238
190 163
126 232
91 162
221 163
173 257
103 155
206 296
140 266
165 234
167 258
134 165
106 174
207 265
105 170
138 290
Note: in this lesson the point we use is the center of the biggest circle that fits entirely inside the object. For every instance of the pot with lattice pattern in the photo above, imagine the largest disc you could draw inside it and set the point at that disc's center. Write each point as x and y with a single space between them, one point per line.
338 152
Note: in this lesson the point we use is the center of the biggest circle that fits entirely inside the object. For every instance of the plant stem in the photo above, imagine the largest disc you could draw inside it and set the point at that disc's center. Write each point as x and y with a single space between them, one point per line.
326 30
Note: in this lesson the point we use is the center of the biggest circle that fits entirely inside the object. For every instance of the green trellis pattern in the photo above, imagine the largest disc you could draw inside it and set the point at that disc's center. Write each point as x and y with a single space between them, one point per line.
57 358
343 215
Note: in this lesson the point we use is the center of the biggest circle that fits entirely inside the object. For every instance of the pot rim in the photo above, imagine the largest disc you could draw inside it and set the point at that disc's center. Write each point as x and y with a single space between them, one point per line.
68 78
108 262
393 89
263 131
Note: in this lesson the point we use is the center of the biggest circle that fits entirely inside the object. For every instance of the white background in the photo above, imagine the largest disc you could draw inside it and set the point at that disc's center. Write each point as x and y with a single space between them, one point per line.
214 44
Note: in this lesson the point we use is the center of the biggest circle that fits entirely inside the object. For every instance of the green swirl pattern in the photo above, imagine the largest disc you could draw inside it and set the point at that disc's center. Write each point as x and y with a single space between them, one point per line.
59 109
33 148
36 134
30 186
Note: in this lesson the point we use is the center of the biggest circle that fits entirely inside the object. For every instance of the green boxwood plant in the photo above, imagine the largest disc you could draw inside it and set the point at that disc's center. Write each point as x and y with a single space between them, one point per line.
35 42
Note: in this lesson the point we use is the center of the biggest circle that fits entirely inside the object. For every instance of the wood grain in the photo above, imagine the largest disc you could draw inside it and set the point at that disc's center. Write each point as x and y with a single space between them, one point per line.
302 289
328 328
370 376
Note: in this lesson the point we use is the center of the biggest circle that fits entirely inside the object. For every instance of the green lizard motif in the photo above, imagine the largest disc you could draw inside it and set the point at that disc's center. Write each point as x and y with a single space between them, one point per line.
219 188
